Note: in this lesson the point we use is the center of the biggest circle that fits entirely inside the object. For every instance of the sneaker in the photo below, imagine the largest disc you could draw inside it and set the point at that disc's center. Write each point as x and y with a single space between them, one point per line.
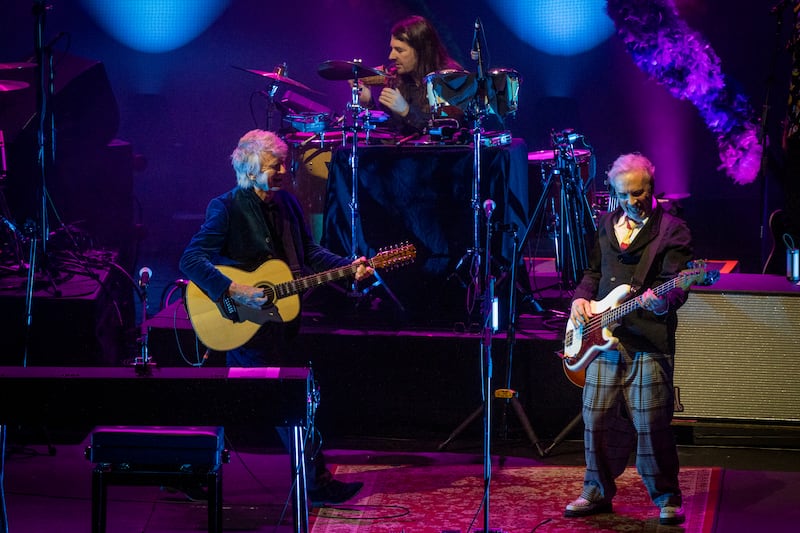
671 515
584 507
334 492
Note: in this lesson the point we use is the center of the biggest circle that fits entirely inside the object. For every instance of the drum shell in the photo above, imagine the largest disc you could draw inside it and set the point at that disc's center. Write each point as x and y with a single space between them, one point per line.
449 92
504 90
309 163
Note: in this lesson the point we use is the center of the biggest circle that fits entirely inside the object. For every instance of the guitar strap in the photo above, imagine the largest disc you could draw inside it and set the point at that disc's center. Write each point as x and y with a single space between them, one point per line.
637 280
288 245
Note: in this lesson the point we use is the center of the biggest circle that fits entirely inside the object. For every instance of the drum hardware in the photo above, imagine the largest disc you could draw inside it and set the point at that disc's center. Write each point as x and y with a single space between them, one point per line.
308 122
573 213
276 78
361 120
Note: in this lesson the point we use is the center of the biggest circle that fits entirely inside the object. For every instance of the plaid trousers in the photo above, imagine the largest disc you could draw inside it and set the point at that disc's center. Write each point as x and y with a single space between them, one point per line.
627 404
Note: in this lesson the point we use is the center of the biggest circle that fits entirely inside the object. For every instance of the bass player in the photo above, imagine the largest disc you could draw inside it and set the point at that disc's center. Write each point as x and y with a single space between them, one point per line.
628 395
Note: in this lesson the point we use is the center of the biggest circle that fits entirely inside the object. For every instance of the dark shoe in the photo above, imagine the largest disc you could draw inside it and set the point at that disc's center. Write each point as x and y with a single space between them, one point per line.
334 492
583 507
671 515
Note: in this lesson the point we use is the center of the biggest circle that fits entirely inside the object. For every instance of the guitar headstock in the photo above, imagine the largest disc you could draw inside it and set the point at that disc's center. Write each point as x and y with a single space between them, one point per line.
697 274
394 256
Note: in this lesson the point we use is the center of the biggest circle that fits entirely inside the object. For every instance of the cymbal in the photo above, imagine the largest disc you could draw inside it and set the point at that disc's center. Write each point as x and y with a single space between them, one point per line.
11 85
16 66
278 78
346 70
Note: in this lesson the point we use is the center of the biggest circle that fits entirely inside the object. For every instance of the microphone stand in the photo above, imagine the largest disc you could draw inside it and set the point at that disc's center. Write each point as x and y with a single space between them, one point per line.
487 363
472 257
144 353
46 158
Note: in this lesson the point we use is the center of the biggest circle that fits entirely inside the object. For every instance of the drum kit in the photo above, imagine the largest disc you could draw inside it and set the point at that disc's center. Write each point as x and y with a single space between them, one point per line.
312 131
458 100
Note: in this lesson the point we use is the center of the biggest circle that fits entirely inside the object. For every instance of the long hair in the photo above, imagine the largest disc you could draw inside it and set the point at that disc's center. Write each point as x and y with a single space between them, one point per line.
420 35
246 157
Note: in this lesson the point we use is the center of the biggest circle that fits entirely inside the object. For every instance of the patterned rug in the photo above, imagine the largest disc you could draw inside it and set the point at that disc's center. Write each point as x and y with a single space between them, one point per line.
413 499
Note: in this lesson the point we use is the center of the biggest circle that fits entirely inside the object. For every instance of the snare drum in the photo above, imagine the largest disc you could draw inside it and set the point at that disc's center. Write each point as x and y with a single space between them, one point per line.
504 90
450 91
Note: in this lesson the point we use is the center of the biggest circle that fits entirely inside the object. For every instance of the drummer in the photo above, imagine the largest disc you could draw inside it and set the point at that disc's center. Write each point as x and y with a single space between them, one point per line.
416 50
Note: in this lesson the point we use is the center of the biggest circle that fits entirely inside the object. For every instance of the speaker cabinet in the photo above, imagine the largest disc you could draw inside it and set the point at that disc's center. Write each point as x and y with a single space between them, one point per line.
737 351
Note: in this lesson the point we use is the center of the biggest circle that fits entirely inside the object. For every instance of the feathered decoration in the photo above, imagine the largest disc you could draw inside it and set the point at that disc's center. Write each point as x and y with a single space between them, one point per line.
666 49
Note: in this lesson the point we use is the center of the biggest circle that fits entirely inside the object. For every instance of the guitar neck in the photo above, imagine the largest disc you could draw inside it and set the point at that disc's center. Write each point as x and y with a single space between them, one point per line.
296 286
613 315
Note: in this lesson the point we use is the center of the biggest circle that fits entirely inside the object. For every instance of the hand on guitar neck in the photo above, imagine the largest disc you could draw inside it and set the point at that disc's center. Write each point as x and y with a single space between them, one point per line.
589 330
270 294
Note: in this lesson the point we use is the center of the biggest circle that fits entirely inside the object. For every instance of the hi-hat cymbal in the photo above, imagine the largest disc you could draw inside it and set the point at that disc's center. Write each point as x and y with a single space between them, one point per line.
346 70
274 76
16 66
11 85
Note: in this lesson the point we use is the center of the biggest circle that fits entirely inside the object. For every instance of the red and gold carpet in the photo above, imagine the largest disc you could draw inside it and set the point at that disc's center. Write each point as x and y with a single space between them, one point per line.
413 499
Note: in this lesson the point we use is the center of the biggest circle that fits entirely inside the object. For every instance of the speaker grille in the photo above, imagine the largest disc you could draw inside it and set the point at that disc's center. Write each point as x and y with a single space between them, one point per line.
737 357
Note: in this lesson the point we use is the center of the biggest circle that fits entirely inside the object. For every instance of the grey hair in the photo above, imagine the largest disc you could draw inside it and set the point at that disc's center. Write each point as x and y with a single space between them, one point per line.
246 157
630 163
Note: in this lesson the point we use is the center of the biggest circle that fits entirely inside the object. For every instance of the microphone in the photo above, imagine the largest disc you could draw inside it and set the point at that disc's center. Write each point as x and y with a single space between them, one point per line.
144 276
475 52
488 207
572 137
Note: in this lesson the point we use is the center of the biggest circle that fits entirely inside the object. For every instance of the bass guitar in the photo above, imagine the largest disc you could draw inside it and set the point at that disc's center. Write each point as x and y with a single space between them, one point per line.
225 325
584 342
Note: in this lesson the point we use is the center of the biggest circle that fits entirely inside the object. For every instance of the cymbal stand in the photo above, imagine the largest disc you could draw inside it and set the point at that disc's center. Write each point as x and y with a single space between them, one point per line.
272 88
360 121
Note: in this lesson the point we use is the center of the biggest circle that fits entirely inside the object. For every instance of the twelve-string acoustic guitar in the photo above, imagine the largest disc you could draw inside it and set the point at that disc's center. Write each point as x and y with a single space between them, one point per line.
226 325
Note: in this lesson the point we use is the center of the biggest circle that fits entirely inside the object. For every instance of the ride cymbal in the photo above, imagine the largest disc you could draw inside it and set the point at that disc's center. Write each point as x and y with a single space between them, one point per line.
337 70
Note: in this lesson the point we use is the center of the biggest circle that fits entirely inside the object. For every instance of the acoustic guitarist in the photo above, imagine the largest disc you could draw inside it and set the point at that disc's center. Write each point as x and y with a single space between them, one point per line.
255 222
628 395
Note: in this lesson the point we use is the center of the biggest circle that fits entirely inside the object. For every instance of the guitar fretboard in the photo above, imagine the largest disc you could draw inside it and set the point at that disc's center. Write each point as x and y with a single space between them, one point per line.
613 315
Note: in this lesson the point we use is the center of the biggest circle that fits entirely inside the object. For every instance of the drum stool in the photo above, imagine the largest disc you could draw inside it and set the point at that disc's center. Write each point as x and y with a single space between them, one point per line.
157 455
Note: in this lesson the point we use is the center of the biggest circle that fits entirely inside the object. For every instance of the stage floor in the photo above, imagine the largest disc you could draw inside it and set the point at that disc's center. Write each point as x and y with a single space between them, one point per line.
44 492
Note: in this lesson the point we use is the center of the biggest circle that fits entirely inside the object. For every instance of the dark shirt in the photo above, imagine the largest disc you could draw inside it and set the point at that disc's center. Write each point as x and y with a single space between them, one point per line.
236 233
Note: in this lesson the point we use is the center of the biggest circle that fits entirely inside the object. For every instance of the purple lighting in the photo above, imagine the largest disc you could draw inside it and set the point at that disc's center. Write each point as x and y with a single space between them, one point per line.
667 50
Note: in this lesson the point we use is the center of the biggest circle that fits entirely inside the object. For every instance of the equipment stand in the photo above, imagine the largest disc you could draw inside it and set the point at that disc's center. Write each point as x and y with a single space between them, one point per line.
486 360
573 210
359 113
508 395
46 159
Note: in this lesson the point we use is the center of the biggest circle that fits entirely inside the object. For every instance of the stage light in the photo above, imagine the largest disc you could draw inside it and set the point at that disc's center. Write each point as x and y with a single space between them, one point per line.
557 27
155 26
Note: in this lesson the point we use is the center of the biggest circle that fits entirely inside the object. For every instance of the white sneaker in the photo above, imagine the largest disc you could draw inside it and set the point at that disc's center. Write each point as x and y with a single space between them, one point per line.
671 515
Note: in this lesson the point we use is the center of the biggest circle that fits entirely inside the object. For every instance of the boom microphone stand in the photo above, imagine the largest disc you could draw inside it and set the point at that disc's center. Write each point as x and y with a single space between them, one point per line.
46 156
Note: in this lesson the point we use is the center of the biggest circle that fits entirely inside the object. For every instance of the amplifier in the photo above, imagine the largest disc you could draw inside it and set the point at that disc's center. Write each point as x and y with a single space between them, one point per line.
737 350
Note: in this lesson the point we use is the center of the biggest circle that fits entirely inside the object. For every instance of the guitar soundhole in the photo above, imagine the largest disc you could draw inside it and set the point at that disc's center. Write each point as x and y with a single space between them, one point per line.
269 293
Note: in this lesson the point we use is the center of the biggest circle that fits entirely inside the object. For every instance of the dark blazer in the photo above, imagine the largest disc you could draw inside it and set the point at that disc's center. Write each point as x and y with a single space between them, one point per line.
610 267
235 232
